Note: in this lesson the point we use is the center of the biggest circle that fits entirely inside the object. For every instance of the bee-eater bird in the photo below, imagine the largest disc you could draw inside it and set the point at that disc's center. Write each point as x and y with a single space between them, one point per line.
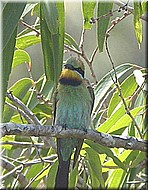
73 103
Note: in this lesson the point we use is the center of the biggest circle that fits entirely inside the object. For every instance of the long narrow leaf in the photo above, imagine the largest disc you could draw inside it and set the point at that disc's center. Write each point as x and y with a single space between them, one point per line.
52 39
137 21
88 13
128 87
11 14
106 82
103 9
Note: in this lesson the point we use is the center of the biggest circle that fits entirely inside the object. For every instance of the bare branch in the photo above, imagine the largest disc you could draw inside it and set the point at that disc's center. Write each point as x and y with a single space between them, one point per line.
131 9
13 171
34 178
20 104
116 82
60 132
49 142
20 111
30 27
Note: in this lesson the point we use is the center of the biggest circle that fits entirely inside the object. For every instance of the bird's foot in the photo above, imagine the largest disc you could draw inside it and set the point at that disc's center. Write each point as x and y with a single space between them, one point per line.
84 129
64 126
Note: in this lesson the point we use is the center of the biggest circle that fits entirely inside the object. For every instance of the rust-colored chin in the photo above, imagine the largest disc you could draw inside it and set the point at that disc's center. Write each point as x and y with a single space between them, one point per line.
69 77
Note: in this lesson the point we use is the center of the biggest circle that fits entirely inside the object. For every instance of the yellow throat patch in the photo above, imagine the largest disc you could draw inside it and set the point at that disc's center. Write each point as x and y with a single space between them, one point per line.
70 77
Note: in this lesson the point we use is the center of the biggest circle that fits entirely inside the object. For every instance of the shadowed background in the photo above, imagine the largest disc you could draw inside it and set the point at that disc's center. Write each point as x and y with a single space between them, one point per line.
122 44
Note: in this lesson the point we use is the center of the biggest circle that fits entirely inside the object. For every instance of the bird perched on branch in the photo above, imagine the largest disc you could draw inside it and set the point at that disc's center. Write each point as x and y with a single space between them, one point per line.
73 103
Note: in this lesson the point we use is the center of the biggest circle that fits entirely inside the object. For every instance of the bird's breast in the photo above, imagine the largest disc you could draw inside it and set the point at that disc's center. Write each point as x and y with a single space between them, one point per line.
73 106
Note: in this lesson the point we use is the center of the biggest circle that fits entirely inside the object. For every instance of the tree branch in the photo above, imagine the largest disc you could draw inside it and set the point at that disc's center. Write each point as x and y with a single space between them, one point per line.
60 132
131 9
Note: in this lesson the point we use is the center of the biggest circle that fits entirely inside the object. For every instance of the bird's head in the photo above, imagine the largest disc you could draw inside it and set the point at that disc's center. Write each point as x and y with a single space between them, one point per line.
73 72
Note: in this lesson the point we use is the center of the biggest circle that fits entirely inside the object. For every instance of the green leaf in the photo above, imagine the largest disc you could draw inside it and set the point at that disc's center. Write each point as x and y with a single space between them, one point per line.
111 121
11 14
53 44
144 6
52 175
19 89
121 156
137 21
44 87
115 179
28 30
73 178
95 164
51 16
27 40
105 150
125 120
69 40
36 10
106 82
34 170
139 158
102 24
20 56
128 88
28 8
88 13
43 174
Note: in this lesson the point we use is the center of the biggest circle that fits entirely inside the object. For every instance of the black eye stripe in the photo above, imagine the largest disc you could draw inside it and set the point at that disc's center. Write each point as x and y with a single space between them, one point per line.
79 70
71 67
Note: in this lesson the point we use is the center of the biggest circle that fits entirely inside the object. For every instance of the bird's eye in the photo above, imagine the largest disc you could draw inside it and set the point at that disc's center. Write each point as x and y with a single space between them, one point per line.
79 70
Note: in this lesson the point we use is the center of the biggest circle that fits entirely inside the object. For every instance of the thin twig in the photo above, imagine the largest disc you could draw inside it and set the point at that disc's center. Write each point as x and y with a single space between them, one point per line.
22 144
83 55
72 49
93 55
116 82
82 40
30 27
131 9
34 178
20 111
19 103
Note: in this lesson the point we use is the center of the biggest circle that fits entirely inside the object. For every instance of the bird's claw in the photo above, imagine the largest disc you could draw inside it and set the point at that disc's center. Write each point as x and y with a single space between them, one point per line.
64 126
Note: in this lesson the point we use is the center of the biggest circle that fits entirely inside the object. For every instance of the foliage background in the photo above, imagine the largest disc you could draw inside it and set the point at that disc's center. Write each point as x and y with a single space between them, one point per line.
26 161
122 42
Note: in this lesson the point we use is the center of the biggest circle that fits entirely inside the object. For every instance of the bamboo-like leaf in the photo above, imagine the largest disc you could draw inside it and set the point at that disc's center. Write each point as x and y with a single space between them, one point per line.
95 164
105 150
125 120
138 21
27 40
11 14
73 178
88 13
19 89
102 24
52 175
116 179
51 16
52 42
69 40
34 170
128 87
20 56
106 82
28 8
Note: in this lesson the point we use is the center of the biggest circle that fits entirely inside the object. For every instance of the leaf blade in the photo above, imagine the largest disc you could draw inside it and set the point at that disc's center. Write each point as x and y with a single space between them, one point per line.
102 24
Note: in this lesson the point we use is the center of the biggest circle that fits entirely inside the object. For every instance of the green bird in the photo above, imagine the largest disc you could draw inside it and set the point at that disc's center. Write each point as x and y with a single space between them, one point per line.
73 103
